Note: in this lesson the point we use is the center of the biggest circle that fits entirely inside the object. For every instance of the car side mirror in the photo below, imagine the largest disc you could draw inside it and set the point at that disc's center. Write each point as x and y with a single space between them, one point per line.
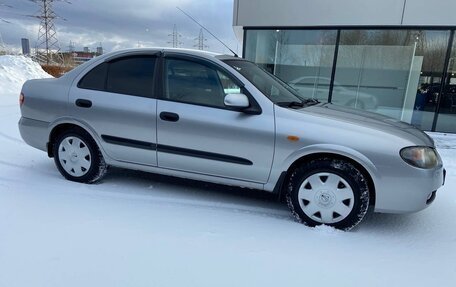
236 101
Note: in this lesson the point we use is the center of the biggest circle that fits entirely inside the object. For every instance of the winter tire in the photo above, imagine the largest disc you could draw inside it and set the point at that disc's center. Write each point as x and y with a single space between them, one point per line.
328 191
78 157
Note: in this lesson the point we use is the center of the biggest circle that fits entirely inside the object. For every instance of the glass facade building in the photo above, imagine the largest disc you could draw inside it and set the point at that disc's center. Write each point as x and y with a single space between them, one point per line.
405 73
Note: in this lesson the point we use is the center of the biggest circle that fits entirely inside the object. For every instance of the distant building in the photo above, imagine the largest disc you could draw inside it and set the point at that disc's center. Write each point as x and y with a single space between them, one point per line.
80 57
100 50
25 46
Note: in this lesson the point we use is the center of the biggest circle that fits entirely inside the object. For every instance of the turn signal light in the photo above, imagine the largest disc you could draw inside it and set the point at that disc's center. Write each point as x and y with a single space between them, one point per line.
21 99
293 138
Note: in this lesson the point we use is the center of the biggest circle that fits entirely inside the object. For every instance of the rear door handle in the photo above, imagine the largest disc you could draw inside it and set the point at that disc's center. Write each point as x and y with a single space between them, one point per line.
169 117
83 103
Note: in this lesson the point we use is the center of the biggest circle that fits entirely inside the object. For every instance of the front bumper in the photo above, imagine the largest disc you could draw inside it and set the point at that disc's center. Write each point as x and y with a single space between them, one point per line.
411 191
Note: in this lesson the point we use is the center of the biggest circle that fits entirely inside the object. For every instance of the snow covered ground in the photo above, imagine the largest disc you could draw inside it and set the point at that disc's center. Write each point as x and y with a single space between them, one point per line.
139 229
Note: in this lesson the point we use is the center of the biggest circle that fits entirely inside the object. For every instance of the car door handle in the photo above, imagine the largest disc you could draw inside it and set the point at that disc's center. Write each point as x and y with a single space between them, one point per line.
83 103
169 117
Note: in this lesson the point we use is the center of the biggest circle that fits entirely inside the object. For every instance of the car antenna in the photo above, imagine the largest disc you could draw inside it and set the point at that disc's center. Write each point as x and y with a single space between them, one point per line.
193 19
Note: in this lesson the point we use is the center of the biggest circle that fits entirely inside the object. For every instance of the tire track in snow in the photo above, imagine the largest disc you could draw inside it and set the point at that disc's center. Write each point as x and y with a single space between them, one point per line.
27 167
13 164
160 200
278 213
11 138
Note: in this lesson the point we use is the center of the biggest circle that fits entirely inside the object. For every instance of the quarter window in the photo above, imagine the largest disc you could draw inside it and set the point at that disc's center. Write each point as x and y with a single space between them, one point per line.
229 87
194 83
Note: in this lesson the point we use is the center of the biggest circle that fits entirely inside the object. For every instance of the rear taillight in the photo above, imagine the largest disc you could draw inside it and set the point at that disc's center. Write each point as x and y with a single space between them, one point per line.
21 99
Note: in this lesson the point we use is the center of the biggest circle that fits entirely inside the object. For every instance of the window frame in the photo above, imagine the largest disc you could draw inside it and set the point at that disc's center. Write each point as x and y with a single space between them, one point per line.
340 28
108 62
254 107
79 84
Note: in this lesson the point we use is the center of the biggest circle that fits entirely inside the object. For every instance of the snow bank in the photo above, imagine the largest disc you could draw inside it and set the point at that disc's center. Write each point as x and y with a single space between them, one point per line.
14 71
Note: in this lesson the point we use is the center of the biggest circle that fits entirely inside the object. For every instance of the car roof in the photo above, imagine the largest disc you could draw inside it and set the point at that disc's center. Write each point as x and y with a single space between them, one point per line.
144 51
183 51
161 49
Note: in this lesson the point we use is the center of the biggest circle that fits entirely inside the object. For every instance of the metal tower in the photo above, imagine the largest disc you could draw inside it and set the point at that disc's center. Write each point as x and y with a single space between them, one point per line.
71 47
2 46
175 36
201 41
48 48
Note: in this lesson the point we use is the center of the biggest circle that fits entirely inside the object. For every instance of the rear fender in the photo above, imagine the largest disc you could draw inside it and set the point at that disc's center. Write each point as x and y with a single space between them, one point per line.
83 125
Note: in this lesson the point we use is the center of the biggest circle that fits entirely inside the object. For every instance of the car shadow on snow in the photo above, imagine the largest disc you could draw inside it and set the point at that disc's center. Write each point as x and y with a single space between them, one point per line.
241 199
186 186
216 196
196 193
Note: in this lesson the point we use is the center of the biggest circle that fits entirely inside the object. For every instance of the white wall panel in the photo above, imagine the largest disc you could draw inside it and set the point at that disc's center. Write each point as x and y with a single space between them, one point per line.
318 12
430 12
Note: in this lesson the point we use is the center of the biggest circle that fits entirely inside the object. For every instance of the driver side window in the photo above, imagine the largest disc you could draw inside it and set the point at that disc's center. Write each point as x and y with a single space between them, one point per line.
195 83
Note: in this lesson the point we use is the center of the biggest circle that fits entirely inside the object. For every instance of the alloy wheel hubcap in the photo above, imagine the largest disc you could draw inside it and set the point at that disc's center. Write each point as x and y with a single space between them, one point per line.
326 197
74 156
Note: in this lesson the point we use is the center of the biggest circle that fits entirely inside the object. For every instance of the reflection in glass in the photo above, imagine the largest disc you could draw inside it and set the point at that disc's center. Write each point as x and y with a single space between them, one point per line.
395 72
446 121
302 58
392 72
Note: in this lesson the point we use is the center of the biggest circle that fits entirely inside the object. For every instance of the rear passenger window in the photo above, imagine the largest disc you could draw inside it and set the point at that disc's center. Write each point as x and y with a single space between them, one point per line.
95 79
131 76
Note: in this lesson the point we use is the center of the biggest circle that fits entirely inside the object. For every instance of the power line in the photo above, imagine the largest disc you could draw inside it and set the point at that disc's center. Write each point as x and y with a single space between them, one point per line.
7 6
215 37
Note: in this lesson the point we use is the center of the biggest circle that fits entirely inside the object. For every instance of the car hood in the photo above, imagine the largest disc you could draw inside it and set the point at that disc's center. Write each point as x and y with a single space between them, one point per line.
370 120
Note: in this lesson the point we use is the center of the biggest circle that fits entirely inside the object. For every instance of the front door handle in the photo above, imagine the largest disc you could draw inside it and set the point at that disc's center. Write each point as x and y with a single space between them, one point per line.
83 103
169 117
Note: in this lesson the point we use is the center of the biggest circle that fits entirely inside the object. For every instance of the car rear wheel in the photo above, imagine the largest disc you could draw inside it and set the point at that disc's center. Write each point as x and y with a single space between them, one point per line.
78 157
328 191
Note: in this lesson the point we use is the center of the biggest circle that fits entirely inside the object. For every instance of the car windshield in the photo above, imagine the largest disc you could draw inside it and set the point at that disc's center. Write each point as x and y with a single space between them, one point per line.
272 87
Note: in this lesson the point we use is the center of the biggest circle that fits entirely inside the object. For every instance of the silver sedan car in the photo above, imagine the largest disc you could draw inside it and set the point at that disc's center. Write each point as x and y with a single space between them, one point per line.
224 120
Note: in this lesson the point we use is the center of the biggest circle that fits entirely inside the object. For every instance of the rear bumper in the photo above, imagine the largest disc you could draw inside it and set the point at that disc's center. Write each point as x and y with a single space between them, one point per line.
34 133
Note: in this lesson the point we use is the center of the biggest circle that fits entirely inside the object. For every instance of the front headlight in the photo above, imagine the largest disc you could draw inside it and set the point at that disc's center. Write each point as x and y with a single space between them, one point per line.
420 156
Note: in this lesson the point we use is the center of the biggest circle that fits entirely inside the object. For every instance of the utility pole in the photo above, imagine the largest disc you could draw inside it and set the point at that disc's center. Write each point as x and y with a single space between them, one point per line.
2 46
71 47
175 38
201 41
47 43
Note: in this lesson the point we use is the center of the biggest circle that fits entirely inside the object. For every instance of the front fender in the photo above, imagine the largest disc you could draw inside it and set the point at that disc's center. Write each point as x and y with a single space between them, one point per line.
284 165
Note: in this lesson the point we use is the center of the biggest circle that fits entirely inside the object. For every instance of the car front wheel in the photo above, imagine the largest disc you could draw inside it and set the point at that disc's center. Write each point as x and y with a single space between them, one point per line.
328 191
78 157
